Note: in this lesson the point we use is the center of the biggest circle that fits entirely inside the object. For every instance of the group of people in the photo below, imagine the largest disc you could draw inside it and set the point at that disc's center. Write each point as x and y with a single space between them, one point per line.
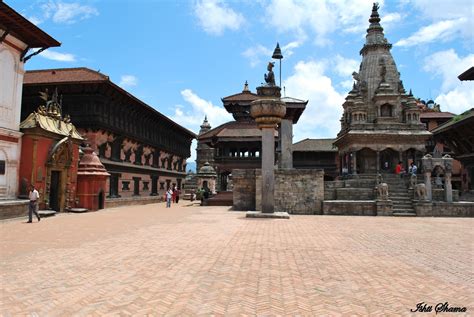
412 170
172 195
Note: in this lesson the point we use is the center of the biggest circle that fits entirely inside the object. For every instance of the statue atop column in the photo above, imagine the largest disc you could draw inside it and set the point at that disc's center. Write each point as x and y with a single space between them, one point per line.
270 77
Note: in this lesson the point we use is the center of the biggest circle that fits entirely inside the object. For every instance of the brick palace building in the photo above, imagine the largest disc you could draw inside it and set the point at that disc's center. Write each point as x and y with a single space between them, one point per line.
144 151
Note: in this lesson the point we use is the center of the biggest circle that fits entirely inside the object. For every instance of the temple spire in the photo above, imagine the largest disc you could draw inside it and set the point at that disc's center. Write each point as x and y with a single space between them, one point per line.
205 126
374 17
246 87
375 36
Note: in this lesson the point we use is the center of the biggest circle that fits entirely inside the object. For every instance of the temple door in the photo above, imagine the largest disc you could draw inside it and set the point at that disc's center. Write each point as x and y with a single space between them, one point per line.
54 190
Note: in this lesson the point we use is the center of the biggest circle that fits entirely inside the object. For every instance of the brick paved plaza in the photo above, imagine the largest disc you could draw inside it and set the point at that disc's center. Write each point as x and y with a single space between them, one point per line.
208 260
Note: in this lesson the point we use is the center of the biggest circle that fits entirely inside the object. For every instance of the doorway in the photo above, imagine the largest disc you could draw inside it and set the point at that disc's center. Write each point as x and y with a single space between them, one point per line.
101 200
54 190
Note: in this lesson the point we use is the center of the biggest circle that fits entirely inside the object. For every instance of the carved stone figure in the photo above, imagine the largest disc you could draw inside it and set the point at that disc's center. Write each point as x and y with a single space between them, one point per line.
270 77
420 191
413 180
382 191
438 182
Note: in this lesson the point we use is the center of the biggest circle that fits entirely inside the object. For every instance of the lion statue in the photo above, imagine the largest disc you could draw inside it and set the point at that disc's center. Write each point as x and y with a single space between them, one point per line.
382 191
420 191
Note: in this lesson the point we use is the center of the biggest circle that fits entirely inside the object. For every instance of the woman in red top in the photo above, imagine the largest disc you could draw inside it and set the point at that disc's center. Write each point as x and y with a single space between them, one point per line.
399 169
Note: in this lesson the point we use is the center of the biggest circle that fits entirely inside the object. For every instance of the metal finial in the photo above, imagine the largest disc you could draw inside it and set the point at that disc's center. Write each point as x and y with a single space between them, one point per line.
277 52
246 87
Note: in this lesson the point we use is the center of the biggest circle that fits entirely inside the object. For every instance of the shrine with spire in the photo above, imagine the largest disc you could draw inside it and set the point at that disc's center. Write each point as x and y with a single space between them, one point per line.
381 123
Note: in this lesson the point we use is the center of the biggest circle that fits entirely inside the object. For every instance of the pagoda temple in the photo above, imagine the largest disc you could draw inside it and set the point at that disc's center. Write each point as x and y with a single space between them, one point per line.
381 123
237 144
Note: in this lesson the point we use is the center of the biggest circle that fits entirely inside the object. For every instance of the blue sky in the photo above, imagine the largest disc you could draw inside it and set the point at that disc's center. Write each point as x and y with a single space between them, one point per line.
182 57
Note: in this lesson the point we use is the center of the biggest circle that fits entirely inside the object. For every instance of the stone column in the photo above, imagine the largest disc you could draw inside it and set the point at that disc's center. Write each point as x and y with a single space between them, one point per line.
268 175
448 189
286 138
428 185
268 112
378 162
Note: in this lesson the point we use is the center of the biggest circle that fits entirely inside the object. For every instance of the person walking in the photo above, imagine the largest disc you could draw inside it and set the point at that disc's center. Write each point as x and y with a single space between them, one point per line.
177 192
399 169
169 195
33 206
173 197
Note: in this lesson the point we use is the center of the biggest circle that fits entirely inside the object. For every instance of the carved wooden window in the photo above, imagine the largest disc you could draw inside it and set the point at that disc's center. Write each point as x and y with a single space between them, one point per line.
2 167
162 185
125 185
116 148
168 183
138 155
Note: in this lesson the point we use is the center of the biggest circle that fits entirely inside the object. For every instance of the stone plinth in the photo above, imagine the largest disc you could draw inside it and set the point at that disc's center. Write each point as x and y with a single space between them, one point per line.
267 215
444 209
349 207
244 189
384 207
299 191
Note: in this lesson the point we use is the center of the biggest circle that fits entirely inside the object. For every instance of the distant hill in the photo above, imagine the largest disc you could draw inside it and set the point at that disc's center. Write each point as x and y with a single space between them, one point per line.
191 165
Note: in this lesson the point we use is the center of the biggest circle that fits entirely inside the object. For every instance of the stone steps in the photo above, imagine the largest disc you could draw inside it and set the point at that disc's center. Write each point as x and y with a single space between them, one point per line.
404 213
400 196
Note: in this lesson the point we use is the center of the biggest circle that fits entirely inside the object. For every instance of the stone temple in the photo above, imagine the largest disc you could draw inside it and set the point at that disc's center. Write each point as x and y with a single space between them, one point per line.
381 123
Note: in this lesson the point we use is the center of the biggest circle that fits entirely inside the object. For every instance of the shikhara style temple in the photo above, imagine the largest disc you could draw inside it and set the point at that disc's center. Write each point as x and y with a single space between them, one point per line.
381 123
143 151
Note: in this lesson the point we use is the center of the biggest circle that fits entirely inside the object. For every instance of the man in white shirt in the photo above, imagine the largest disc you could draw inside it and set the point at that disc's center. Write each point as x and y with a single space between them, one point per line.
169 194
33 206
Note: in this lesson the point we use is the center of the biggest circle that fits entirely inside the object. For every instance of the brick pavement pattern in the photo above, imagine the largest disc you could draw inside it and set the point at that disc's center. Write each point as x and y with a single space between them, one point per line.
189 260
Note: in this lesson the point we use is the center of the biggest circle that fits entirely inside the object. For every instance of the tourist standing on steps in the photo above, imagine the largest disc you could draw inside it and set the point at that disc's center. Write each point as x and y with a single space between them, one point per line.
33 206
399 169
169 195
413 168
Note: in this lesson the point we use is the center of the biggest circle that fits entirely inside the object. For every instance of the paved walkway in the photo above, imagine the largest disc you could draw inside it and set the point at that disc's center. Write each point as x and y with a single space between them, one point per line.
207 260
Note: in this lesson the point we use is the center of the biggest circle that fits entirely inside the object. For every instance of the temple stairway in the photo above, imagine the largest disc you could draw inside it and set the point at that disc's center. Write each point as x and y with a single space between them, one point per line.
190 185
400 195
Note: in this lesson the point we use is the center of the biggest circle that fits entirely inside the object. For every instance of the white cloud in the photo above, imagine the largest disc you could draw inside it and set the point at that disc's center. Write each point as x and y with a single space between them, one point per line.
60 57
193 114
455 96
128 81
215 16
64 12
439 31
192 117
288 49
442 9
324 109
321 17
457 100
256 53
344 67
